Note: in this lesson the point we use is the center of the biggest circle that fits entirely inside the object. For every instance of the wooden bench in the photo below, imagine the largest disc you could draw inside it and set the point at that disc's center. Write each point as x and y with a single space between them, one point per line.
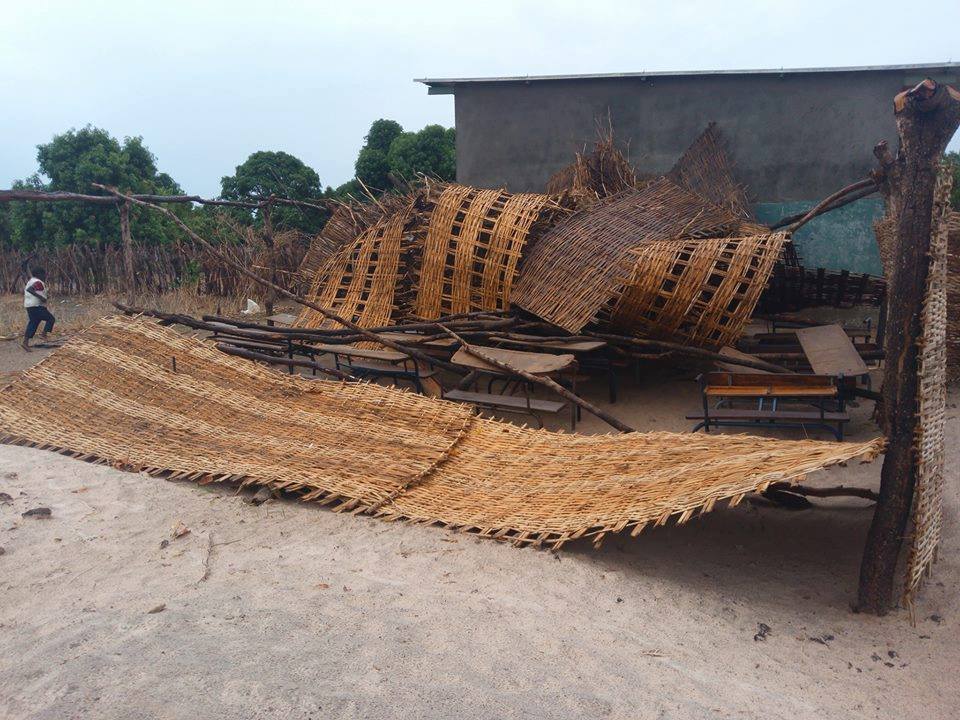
372 369
768 390
372 364
546 364
508 403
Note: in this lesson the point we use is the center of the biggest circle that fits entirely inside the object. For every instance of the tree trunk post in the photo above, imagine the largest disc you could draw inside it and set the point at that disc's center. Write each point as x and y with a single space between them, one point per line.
927 117
127 251
270 256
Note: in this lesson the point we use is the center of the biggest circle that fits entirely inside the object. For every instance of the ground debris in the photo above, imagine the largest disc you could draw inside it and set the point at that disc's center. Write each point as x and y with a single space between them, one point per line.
763 630
179 530
158 609
41 513
260 496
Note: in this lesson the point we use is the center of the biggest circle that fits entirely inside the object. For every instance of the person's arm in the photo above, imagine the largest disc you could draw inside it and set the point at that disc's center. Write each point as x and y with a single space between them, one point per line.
41 298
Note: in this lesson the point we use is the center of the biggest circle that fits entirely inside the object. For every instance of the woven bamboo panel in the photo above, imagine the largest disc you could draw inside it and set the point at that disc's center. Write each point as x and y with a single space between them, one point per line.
111 395
699 292
472 248
705 169
578 268
953 297
927 510
360 282
337 233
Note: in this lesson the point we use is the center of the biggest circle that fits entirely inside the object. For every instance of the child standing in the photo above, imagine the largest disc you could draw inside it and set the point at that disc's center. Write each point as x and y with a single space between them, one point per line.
35 301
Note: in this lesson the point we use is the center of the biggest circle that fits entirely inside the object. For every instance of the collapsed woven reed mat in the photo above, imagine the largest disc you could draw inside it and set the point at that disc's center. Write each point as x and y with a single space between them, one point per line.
360 281
112 395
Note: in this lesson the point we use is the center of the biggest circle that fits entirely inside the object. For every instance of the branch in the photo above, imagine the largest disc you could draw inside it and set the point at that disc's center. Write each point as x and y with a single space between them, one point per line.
824 204
288 362
59 196
838 491
686 350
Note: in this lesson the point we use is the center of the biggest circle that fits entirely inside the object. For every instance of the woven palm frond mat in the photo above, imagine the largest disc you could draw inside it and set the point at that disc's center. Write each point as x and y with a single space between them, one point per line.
927 511
698 292
472 249
706 170
579 267
360 282
112 395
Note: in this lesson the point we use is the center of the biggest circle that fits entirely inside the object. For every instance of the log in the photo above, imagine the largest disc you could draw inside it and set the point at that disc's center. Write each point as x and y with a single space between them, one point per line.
286 362
665 346
539 380
927 117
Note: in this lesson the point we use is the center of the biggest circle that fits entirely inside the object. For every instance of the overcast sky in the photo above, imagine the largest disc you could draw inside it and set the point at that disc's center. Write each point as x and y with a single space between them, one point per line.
208 83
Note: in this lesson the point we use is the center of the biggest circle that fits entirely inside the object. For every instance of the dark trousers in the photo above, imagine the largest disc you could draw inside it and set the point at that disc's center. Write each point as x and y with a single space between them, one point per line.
35 316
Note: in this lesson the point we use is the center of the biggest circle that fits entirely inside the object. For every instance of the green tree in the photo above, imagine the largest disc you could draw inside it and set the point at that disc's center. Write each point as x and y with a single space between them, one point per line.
954 159
390 156
372 166
267 173
432 151
72 162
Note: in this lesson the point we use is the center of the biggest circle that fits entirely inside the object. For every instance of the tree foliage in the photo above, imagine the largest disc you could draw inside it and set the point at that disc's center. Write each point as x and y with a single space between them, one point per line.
72 162
432 151
267 173
954 159
390 156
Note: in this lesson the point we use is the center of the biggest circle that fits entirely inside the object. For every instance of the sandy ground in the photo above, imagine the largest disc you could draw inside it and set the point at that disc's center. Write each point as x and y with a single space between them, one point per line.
287 610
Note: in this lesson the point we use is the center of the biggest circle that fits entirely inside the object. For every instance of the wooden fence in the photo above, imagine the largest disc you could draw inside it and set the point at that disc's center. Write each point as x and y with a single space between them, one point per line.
94 269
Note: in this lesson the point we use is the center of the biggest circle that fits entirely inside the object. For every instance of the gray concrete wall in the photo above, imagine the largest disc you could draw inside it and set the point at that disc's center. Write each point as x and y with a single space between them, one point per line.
796 136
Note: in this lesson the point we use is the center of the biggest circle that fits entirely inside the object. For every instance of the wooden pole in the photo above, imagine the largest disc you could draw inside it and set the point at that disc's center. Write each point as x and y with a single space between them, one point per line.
128 268
271 257
927 117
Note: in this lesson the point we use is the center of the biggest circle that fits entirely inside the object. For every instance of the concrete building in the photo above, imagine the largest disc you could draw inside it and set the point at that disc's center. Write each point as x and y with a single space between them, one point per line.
794 135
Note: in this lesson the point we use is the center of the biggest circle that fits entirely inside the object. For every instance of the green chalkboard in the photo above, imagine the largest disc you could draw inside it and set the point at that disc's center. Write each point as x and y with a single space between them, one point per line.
840 240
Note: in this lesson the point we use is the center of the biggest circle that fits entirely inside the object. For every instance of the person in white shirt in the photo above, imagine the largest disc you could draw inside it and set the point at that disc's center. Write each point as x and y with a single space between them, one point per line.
35 301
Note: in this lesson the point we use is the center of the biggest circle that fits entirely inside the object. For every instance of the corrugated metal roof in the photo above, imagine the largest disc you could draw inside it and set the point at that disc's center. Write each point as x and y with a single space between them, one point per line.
444 85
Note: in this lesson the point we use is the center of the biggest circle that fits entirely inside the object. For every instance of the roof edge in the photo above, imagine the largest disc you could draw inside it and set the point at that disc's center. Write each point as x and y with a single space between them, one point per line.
443 83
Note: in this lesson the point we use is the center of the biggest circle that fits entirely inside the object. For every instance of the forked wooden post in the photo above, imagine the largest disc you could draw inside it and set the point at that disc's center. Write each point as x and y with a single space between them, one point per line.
927 117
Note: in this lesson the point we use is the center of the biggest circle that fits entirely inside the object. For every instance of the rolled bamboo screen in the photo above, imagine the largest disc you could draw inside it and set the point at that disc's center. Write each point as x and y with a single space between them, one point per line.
360 282
697 292
473 245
